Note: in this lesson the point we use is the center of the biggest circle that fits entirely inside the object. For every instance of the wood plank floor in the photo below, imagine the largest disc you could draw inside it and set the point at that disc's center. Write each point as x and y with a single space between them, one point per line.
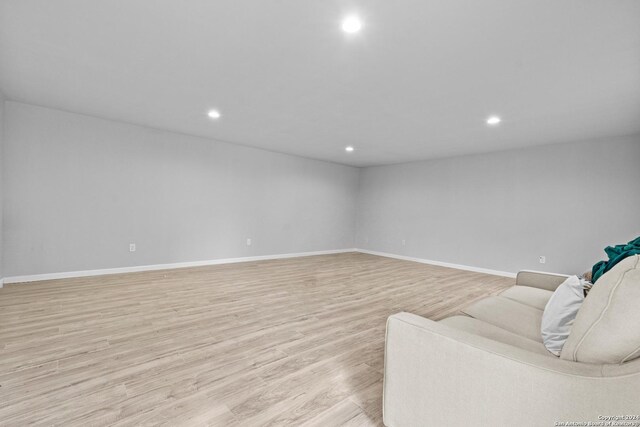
284 342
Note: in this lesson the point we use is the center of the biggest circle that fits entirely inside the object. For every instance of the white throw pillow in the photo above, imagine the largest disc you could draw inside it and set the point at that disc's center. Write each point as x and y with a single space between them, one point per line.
560 313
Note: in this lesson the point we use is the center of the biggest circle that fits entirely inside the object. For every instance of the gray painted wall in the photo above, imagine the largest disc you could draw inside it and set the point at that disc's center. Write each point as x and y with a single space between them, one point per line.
503 210
79 189
1 184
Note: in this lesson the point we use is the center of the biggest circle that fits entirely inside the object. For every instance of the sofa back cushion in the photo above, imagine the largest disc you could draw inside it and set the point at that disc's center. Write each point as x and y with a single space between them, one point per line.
607 327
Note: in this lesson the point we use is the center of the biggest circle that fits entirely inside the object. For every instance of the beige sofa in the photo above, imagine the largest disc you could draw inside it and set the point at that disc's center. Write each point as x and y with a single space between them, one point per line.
490 367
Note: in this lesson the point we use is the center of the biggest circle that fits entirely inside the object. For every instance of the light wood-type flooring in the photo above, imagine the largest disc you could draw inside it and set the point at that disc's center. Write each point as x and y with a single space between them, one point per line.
284 342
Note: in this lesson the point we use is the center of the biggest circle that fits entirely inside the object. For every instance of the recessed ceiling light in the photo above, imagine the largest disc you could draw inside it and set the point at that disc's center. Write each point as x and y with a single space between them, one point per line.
214 114
493 120
351 24
349 149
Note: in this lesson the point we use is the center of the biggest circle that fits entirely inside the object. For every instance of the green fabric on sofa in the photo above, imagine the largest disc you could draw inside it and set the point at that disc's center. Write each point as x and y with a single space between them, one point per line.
616 254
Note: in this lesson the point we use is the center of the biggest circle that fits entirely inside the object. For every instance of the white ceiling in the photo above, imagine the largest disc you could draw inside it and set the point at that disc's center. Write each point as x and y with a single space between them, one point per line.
417 82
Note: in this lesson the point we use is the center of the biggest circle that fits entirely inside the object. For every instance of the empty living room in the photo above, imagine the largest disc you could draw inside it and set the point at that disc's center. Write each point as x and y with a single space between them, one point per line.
320 213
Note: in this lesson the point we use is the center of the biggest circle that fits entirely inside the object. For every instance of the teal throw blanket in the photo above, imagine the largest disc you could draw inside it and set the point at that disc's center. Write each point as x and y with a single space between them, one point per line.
616 254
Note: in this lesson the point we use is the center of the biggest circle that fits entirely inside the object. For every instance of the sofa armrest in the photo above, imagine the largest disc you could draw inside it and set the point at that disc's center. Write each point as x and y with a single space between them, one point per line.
438 375
539 279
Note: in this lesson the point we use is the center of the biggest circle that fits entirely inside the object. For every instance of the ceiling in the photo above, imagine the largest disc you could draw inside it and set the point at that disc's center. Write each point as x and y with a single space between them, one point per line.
417 82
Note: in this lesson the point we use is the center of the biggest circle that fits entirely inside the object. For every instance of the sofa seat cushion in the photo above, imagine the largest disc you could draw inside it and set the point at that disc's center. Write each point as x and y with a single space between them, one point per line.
484 329
505 313
534 297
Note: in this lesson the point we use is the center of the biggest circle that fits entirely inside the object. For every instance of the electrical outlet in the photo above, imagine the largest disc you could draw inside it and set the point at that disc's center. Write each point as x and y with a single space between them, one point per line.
404 242
248 242
132 247
542 259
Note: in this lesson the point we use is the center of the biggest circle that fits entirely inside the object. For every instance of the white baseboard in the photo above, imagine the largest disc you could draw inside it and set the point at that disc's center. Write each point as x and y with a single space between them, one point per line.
440 263
119 270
